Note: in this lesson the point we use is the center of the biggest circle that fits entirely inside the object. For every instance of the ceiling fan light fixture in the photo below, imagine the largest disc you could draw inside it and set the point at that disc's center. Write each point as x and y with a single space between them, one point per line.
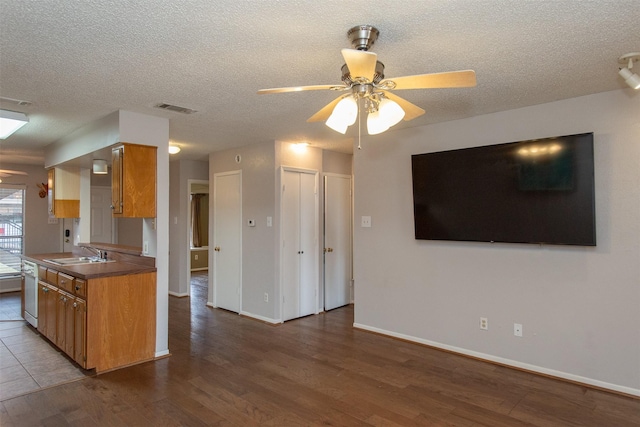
344 115
11 121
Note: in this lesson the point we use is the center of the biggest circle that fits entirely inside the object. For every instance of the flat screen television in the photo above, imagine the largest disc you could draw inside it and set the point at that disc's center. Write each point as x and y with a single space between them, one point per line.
539 191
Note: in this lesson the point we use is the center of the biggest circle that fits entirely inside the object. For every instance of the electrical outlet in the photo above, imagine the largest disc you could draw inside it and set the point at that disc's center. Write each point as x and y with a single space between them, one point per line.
484 323
195 257
145 247
366 221
517 329
266 297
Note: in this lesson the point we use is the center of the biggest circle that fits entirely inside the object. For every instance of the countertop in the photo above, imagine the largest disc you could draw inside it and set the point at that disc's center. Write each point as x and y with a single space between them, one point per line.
90 271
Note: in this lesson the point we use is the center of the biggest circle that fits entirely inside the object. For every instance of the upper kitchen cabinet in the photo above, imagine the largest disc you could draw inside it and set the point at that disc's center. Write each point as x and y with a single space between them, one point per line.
64 192
133 185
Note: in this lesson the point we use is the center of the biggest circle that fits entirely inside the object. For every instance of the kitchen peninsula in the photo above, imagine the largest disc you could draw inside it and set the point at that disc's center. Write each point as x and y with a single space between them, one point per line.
101 313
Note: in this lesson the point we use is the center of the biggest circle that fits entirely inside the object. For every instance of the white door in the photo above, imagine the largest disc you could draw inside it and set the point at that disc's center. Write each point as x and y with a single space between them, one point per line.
227 223
101 218
299 245
337 241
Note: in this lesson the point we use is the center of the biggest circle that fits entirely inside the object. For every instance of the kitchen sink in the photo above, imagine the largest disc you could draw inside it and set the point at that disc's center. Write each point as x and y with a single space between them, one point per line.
78 260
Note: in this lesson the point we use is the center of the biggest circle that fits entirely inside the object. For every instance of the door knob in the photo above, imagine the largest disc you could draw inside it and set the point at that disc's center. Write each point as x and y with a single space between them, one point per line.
217 249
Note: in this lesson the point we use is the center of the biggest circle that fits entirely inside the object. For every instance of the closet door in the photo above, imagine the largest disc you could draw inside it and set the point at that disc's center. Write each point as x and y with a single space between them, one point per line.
337 241
227 218
299 244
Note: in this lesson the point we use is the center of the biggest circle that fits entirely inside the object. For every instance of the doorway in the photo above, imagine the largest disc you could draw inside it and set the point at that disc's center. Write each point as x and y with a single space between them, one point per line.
198 233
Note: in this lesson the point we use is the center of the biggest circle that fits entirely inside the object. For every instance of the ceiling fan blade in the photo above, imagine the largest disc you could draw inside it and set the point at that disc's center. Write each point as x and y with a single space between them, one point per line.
325 112
299 89
465 78
8 172
360 63
411 111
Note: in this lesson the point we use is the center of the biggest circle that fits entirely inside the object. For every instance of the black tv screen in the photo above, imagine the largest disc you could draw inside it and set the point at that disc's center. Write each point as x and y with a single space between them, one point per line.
539 191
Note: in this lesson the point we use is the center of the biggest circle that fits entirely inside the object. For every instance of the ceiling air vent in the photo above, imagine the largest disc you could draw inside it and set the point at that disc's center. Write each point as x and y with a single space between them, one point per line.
176 108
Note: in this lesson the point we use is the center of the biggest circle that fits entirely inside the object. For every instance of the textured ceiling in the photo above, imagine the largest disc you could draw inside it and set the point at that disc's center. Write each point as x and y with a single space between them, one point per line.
78 61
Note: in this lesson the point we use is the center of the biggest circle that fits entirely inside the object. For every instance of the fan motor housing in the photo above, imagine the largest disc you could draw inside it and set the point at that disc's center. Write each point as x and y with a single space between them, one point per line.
363 37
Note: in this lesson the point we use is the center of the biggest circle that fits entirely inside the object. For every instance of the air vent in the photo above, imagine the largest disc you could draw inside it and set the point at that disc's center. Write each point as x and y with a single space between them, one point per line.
15 101
176 108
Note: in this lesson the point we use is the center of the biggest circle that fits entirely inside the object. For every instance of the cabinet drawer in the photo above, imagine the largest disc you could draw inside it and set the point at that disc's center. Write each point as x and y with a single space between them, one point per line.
80 288
65 282
42 273
52 277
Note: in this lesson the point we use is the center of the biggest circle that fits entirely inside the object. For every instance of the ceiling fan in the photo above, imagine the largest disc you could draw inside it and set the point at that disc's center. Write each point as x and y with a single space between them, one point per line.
363 79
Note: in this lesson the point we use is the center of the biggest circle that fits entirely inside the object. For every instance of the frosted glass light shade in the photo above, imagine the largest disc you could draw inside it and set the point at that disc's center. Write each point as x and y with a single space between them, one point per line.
344 115
11 121
174 149
389 114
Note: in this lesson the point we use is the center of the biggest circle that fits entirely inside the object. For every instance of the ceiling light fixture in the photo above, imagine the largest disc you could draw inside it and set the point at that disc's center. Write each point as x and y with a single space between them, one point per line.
100 167
632 79
11 121
174 149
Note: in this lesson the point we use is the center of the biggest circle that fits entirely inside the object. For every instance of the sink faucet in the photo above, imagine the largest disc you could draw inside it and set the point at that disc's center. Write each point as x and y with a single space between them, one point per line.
101 254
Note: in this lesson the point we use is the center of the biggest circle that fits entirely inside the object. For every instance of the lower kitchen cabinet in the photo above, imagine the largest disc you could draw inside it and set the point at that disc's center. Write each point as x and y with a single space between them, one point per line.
106 323
80 332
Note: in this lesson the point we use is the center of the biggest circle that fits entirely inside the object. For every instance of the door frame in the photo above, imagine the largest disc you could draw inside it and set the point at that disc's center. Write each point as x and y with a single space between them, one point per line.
316 229
212 232
187 277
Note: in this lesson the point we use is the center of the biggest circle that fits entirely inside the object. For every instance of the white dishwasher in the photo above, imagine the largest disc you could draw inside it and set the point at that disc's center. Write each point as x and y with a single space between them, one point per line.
30 271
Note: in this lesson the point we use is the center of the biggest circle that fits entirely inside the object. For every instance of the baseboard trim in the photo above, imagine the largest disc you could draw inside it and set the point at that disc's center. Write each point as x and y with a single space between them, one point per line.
178 294
576 379
162 354
261 318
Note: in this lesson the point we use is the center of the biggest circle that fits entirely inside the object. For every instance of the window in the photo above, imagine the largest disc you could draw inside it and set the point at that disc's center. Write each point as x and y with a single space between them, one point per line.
11 229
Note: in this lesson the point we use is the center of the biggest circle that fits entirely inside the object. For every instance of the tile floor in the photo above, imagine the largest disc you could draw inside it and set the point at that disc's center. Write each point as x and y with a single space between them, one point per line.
28 362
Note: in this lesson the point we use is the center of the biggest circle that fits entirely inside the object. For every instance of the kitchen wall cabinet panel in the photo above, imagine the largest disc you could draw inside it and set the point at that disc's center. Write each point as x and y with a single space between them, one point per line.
133 185
63 194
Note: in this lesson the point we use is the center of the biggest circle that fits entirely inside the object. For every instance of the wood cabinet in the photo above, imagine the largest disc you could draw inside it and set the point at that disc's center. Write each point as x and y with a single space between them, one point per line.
102 323
47 310
133 181
63 197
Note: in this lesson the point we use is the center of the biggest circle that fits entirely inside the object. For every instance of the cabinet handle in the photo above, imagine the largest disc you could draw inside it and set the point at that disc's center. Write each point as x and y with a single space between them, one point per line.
45 289
75 304
112 207
77 288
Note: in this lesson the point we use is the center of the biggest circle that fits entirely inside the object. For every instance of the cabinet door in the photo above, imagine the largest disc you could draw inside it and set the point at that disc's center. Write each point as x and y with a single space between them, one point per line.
51 195
42 307
51 302
80 332
69 324
61 315
116 179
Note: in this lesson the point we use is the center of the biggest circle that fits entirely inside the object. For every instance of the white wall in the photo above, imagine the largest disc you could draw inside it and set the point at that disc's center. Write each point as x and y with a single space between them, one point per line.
579 306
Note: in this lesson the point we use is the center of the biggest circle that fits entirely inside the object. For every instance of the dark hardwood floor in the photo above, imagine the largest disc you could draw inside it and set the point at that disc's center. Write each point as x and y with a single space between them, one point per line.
232 371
